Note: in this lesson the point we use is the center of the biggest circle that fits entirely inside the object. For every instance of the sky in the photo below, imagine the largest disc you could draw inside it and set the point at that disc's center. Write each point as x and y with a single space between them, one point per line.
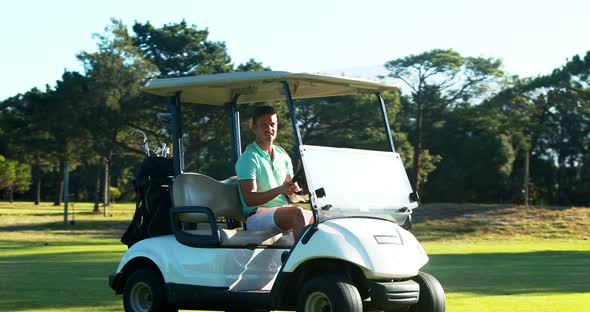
40 39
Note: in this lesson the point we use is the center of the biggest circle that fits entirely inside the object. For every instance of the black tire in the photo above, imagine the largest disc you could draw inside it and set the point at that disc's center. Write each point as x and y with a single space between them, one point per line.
432 295
144 292
329 293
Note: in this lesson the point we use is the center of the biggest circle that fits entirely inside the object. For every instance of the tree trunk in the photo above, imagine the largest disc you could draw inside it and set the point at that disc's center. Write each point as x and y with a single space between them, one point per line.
105 201
561 199
10 195
525 186
60 187
107 181
37 185
97 194
418 147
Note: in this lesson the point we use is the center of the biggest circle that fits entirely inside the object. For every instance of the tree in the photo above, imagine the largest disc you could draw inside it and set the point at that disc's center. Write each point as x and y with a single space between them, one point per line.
7 173
14 177
116 74
180 50
22 180
478 157
352 122
439 79
548 120
71 137
252 65
26 127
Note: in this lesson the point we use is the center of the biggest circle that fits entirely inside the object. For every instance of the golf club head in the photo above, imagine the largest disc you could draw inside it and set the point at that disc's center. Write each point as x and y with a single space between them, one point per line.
164 132
164 116
139 133
146 146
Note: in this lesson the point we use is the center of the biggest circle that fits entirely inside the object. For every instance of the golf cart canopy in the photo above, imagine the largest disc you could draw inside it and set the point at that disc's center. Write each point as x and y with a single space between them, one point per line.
220 89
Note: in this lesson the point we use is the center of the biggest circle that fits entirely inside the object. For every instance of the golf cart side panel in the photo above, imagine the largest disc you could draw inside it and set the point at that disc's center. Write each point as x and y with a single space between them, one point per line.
382 249
230 268
152 249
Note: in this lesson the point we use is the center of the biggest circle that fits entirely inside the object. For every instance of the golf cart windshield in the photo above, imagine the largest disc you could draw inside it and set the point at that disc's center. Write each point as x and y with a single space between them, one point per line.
356 181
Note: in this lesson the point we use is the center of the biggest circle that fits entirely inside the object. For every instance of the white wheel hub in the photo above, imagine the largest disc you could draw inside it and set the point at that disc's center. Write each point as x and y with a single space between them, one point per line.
141 297
318 302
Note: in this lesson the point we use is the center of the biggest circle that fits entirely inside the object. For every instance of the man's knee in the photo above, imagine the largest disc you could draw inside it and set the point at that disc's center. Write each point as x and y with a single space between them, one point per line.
299 213
289 215
289 210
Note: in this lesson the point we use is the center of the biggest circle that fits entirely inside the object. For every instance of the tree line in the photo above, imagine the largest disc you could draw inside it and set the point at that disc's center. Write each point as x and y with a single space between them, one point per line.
466 130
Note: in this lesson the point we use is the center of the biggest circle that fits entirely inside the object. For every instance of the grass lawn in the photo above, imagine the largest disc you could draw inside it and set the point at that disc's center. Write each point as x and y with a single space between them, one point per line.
487 257
49 266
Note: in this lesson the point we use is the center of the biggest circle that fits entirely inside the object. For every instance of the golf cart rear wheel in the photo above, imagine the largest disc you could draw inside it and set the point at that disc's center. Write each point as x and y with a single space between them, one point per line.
329 294
144 292
432 295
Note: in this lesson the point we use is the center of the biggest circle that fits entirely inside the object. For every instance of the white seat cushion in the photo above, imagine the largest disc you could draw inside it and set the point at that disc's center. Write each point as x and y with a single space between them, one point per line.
237 237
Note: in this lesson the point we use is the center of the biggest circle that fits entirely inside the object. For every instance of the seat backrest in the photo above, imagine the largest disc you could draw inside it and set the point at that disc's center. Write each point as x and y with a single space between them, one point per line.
193 189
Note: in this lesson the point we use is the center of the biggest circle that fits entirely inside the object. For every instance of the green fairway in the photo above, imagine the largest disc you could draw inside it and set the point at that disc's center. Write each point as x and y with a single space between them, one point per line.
46 265
49 266
513 275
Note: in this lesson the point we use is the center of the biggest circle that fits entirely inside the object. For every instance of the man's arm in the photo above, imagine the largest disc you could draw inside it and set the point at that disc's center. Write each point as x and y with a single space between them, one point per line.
254 198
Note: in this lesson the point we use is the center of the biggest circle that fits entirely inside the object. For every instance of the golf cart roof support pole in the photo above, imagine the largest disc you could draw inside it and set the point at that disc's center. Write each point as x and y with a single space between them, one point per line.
233 113
316 216
386 121
292 112
173 105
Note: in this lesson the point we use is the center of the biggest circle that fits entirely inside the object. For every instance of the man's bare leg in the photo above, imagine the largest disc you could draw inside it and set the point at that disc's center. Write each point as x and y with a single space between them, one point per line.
291 218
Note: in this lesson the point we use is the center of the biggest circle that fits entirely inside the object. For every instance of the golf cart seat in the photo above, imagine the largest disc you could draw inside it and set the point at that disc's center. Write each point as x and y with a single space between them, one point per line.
222 198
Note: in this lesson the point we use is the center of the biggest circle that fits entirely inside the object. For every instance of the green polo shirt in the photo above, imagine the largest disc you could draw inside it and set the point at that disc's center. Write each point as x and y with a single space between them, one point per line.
255 164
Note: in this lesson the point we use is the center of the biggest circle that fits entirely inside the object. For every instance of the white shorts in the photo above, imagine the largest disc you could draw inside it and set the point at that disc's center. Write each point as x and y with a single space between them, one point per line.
264 219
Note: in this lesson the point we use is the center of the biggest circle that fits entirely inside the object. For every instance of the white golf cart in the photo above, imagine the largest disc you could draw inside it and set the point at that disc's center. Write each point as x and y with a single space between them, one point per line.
357 256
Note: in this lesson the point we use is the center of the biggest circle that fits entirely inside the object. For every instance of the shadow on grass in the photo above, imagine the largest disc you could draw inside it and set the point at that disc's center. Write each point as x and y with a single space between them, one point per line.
513 273
54 214
109 228
24 245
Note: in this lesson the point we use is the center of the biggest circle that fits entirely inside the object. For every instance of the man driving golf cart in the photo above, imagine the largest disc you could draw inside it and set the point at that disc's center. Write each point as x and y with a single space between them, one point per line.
265 175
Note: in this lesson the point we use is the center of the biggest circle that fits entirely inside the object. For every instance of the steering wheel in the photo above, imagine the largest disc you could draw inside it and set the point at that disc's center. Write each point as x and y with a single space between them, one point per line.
299 178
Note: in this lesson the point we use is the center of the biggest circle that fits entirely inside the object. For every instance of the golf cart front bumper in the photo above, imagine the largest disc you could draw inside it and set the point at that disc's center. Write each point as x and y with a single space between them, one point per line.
115 282
394 295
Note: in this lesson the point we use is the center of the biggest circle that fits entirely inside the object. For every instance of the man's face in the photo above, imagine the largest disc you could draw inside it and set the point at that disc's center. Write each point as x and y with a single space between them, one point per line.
265 128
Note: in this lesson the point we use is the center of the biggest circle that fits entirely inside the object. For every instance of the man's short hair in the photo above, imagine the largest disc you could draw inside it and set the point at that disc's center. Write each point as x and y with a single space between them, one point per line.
261 111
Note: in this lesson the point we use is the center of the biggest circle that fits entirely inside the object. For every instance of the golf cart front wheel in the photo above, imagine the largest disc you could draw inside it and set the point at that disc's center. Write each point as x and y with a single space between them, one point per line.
329 294
432 295
144 292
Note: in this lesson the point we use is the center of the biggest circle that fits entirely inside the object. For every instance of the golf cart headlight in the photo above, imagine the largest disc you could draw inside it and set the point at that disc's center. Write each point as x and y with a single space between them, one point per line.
388 239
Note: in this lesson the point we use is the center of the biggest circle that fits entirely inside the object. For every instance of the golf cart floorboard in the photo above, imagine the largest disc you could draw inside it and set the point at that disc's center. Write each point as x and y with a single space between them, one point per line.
204 297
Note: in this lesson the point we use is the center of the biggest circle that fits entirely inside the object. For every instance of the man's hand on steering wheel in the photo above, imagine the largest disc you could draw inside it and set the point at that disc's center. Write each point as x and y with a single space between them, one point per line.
299 179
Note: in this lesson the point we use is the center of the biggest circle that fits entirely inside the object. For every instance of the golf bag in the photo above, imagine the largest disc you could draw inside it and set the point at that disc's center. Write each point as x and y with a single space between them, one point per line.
152 209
